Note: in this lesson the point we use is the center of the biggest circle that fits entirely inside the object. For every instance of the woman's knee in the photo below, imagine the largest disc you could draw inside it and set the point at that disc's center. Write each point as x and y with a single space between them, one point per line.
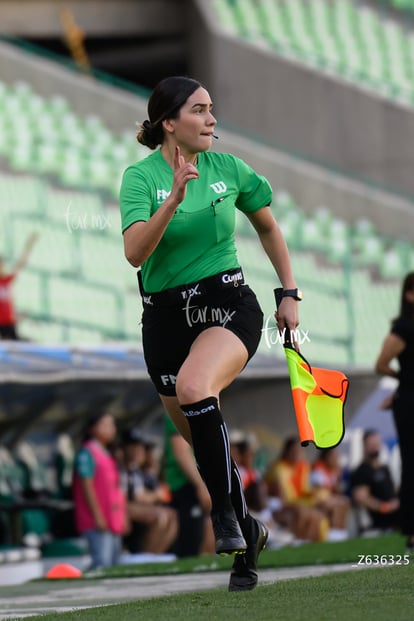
191 389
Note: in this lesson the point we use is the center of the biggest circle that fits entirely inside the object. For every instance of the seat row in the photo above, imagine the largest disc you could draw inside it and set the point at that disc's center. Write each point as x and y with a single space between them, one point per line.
345 37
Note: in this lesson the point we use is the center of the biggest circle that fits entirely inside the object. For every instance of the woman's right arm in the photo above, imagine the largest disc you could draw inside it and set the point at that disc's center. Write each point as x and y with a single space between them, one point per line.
141 238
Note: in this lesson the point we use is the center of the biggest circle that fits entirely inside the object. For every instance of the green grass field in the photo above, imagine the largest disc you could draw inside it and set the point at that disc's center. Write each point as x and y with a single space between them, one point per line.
371 594
308 554
379 594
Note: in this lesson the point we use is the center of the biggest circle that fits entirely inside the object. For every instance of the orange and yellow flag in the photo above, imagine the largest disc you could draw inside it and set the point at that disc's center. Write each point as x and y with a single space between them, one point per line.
318 397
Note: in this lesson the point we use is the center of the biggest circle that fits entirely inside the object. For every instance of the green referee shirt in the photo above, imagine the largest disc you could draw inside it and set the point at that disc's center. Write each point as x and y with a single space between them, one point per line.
199 240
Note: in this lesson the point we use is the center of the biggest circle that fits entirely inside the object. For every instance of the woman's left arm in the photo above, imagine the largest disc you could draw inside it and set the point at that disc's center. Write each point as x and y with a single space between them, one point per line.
391 348
276 249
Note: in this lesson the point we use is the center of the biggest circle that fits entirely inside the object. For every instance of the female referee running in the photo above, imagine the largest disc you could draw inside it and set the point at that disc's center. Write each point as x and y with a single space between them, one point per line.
201 323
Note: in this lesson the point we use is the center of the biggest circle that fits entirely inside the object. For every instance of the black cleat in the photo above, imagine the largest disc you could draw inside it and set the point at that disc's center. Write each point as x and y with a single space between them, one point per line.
243 575
229 538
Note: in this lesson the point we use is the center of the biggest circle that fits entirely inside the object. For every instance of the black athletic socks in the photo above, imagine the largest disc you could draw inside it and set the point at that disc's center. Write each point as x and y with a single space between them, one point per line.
211 448
239 502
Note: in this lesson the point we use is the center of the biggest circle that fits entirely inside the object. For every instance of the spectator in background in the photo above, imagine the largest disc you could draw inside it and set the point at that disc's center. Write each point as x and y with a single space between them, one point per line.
372 487
98 497
64 459
287 478
8 327
399 344
326 480
153 525
190 496
243 447
152 468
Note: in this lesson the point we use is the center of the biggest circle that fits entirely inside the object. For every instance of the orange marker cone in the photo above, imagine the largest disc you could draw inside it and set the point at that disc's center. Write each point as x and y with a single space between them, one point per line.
63 570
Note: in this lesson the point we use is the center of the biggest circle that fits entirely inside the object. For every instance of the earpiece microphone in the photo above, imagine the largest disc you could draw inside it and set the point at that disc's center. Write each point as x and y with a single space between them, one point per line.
216 137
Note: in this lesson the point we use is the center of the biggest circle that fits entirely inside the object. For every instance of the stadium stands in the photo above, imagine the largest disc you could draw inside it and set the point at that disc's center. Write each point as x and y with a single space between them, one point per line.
343 37
45 136
404 5
78 253
78 287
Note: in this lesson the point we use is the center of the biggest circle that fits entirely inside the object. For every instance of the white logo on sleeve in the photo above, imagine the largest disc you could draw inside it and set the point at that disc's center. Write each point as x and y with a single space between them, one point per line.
219 187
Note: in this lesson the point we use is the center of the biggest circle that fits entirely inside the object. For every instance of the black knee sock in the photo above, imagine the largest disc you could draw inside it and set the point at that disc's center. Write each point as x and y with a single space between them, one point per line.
238 501
211 449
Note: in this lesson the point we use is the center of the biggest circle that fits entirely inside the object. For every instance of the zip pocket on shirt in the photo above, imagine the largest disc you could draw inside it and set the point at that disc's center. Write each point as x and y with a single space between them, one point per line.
224 213
216 204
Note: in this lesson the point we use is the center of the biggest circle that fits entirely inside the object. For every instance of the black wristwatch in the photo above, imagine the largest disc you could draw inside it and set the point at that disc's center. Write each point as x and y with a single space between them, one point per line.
292 293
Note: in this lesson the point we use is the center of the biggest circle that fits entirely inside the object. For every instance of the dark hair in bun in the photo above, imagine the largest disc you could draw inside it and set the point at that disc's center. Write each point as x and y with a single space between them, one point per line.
165 102
150 136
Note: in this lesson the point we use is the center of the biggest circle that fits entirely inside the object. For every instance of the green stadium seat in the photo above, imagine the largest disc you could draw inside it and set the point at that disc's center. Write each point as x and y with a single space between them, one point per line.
58 106
22 157
72 168
339 247
313 235
42 329
132 315
52 252
324 217
79 302
73 210
30 290
363 227
103 259
282 204
86 336
248 19
390 264
226 16
370 252
291 225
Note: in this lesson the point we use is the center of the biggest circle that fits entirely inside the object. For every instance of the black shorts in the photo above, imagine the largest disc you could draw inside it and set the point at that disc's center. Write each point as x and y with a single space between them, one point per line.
169 330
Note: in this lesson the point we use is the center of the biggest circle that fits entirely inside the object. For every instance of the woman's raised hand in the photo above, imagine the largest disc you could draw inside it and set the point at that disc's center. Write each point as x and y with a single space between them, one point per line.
183 173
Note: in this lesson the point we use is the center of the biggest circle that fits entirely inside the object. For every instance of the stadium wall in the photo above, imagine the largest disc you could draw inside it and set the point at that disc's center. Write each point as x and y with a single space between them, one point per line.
28 18
303 110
